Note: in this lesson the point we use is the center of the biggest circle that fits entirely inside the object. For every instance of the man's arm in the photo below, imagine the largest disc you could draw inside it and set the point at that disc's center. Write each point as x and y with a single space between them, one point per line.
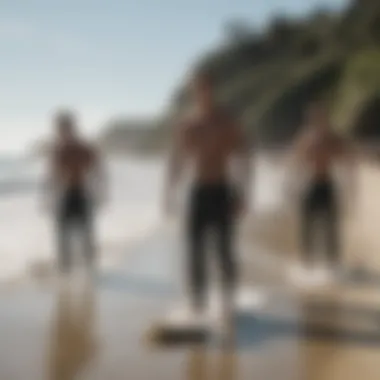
50 182
348 159
100 176
295 164
174 166
245 165
297 151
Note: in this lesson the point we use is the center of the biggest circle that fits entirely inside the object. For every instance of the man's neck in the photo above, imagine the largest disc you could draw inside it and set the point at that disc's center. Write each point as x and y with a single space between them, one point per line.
207 111
69 143
316 130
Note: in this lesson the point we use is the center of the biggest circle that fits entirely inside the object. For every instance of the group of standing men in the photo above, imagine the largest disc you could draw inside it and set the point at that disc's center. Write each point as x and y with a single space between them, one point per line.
211 140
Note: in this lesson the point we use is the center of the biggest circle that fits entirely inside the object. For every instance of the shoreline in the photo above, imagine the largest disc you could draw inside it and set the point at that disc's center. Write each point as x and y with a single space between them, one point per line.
44 269
276 229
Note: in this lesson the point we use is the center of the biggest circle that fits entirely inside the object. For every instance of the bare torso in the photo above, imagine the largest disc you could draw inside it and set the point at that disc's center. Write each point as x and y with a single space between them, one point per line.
73 162
209 143
319 152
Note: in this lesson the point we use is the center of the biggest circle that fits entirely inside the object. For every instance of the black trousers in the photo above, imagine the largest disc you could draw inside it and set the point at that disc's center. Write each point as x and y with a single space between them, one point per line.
320 204
211 209
74 214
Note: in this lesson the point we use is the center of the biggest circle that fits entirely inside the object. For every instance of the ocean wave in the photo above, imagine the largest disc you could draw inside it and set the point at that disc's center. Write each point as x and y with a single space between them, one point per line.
132 214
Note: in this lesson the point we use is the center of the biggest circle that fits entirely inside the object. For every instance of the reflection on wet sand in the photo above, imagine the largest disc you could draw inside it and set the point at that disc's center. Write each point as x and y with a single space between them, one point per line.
226 365
72 338
199 365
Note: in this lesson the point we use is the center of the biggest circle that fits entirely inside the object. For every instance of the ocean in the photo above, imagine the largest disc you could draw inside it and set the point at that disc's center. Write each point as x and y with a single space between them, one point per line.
133 211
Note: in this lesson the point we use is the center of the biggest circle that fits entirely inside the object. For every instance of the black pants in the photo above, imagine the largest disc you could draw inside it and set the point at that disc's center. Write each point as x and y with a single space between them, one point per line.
321 205
211 208
74 213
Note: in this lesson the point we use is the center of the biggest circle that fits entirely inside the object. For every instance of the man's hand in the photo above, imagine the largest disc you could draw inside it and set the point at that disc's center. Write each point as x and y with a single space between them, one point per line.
240 206
101 201
48 195
350 178
169 209
349 199
45 206
174 172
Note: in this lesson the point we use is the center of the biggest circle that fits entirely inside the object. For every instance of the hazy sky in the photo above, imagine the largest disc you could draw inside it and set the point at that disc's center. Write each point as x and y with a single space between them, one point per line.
107 57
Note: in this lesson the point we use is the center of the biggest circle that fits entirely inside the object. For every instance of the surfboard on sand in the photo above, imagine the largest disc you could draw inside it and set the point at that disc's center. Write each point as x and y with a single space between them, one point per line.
167 334
180 327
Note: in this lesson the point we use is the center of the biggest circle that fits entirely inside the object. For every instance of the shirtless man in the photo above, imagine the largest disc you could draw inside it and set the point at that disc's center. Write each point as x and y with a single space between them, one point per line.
209 141
318 149
72 163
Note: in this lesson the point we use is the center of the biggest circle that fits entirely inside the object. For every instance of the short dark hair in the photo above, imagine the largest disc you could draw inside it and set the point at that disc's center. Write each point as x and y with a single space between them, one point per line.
65 117
204 74
317 103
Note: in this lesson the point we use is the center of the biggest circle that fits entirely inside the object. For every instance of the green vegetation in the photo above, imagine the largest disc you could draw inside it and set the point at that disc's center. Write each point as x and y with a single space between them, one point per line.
269 78
360 85
134 136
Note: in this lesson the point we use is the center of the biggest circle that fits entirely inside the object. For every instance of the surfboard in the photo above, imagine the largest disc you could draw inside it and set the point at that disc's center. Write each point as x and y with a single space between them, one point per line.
164 333
179 326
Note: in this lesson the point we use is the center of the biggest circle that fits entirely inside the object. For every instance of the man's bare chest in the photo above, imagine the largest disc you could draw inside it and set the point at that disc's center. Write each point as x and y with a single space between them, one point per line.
211 138
321 150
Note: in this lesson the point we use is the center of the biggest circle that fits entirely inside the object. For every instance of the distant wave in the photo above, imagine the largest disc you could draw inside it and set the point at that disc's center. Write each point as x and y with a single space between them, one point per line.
18 187
18 176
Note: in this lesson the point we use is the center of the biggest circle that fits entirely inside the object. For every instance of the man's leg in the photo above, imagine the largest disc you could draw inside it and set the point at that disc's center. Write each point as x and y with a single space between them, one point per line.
307 230
228 271
89 249
224 233
66 222
64 248
82 214
332 232
226 256
196 259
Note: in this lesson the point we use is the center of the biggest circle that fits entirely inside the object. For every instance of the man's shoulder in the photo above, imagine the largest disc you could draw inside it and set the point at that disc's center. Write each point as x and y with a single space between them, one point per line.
87 146
75 147
227 112
305 138
55 149
340 143
188 122
89 150
338 138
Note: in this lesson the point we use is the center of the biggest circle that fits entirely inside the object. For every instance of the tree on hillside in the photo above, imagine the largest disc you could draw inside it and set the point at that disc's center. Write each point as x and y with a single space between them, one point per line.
238 31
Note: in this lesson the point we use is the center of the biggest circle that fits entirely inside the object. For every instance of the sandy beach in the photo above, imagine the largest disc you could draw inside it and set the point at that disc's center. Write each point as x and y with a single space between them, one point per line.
278 230
99 331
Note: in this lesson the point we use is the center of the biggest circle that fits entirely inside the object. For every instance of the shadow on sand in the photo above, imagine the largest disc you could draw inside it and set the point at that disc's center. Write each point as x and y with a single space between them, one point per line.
361 277
137 285
253 330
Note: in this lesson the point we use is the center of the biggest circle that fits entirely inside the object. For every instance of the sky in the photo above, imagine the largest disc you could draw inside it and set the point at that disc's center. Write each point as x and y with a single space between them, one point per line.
106 58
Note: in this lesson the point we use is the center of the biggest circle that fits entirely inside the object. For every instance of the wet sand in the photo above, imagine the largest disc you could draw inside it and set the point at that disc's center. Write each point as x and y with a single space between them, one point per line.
99 332
278 231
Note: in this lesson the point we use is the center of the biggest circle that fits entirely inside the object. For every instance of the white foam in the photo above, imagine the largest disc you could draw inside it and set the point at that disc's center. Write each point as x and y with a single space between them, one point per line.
27 235
309 277
133 212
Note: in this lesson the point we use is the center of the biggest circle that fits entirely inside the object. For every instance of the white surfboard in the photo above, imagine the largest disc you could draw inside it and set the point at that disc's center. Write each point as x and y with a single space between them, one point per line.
181 322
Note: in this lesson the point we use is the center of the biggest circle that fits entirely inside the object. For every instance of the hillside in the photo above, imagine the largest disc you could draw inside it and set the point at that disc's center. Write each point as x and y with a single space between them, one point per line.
135 136
121 135
268 78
